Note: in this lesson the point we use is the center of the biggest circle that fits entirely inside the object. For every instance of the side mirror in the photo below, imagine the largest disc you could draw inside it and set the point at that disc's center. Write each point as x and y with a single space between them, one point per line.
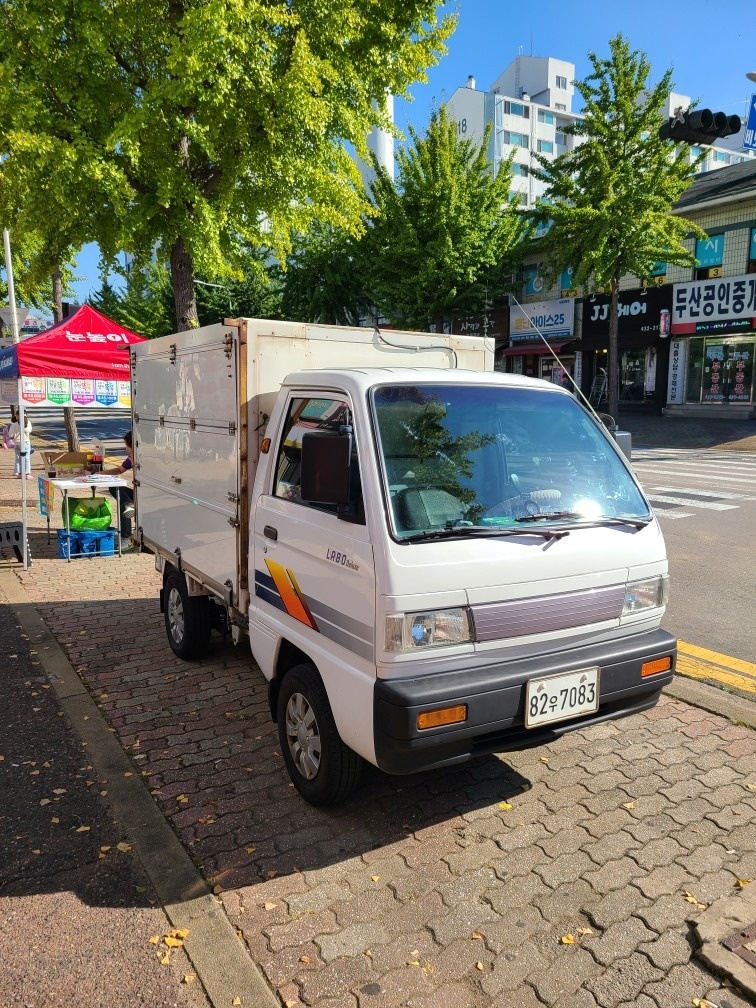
324 477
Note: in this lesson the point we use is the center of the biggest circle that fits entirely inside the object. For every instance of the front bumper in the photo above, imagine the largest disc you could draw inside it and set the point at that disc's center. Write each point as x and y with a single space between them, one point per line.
495 698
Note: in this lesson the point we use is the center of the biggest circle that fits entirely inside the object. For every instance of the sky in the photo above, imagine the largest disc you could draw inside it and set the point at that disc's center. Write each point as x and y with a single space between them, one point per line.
709 46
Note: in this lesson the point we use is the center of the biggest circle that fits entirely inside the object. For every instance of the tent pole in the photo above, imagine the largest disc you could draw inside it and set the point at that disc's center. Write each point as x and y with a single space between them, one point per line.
24 445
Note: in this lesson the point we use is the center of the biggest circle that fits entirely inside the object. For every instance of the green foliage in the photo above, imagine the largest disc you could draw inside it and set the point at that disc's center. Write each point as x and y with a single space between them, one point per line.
609 199
445 234
144 304
202 126
322 281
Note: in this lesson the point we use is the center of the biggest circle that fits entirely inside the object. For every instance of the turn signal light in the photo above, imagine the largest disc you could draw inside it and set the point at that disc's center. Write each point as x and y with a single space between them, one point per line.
442 716
652 667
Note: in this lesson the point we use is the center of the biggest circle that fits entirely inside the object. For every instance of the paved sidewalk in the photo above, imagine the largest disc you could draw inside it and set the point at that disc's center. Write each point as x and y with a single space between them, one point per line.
570 875
667 431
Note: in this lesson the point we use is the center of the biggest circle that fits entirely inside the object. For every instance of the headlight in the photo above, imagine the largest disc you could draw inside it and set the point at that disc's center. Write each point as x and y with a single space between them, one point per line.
652 593
411 631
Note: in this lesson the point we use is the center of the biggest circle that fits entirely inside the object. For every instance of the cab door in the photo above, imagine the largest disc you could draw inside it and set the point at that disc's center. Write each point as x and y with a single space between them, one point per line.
314 580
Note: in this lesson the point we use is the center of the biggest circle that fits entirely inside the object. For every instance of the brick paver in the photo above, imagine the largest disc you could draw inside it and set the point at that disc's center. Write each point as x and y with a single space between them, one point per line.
422 892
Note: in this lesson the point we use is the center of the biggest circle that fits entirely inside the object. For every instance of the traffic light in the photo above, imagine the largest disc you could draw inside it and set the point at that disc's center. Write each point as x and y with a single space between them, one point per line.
700 127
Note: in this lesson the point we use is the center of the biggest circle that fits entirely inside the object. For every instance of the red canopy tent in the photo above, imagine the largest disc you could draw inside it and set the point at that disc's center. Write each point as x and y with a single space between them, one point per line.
87 348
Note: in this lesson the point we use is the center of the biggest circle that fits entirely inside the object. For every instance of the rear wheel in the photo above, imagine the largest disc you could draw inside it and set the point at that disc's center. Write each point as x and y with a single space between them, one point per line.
323 769
188 618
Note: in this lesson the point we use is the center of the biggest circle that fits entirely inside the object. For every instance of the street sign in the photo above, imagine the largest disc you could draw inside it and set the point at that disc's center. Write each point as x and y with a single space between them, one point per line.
750 130
6 314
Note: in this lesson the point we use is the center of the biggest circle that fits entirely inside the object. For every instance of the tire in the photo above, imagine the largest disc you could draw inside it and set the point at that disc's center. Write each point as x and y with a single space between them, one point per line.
322 768
187 618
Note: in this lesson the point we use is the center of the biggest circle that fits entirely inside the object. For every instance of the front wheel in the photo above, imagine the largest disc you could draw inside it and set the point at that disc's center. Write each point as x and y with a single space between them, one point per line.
188 618
323 769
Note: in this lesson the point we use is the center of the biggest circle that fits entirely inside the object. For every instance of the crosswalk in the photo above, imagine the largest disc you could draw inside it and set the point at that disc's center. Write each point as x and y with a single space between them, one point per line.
682 482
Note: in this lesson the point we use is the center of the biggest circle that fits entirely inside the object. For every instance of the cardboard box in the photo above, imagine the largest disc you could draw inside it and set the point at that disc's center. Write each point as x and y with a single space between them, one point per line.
64 463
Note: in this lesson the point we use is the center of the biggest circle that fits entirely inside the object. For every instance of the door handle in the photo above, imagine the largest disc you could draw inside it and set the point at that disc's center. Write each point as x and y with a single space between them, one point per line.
270 533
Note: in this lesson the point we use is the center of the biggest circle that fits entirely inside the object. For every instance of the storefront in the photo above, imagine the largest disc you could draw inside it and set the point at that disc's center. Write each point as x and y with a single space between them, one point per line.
714 342
642 341
537 331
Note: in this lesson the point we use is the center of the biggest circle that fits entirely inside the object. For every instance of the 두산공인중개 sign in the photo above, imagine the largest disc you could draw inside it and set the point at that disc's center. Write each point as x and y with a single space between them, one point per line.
716 306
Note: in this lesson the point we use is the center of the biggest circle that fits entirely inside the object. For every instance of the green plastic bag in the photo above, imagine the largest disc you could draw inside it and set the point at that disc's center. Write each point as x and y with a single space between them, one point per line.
88 513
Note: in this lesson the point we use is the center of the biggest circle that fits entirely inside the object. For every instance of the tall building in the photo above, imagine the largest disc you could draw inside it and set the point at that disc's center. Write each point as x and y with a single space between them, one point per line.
529 105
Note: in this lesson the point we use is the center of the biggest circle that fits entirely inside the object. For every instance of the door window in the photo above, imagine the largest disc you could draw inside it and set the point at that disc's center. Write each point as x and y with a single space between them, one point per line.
306 414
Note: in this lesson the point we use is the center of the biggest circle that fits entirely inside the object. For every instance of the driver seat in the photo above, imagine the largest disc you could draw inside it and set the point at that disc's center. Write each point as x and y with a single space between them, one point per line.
425 508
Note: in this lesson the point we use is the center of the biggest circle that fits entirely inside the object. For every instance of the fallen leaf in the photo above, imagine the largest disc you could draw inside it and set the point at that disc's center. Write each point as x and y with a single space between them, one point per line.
567 939
375 878
702 1003
59 790
305 959
413 962
630 804
476 934
237 1001
217 890
123 847
250 850
179 933
182 799
584 931
751 787
742 882
290 1004
105 849
173 942
479 965
544 759
368 953
269 906
83 829
166 959
188 978
155 940
271 874
36 851
45 801
505 805
55 819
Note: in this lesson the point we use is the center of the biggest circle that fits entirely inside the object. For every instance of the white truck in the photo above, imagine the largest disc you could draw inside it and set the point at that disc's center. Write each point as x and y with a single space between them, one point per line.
431 560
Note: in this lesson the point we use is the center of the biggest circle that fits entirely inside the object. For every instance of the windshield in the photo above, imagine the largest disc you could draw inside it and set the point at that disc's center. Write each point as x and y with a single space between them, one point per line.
487 457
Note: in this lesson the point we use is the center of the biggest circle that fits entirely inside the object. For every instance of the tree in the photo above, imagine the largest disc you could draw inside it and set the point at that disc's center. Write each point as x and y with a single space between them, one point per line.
199 125
322 281
608 202
444 235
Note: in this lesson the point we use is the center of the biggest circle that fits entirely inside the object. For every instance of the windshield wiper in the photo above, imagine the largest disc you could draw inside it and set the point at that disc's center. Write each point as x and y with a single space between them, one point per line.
478 531
637 523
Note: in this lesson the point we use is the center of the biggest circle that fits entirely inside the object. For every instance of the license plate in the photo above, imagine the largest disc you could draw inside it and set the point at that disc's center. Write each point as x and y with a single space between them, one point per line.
559 697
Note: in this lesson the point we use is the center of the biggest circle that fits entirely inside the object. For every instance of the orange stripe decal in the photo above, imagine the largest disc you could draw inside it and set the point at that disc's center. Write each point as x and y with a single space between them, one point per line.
291 596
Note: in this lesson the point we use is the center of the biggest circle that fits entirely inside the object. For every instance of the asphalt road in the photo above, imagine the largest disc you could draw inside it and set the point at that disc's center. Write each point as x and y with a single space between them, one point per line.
706 504
110 425
69 880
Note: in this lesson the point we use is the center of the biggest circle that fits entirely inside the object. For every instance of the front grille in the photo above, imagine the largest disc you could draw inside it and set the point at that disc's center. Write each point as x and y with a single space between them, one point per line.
546 613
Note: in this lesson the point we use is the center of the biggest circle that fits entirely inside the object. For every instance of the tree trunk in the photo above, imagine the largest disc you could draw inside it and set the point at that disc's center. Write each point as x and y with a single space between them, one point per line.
182 278
69 417
612 375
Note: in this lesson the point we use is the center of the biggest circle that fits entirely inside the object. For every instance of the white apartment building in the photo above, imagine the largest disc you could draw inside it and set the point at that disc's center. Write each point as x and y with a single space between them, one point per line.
529 105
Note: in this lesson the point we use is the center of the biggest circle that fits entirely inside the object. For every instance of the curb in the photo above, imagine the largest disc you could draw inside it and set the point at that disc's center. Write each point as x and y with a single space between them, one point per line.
731 915
711 698
218 955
